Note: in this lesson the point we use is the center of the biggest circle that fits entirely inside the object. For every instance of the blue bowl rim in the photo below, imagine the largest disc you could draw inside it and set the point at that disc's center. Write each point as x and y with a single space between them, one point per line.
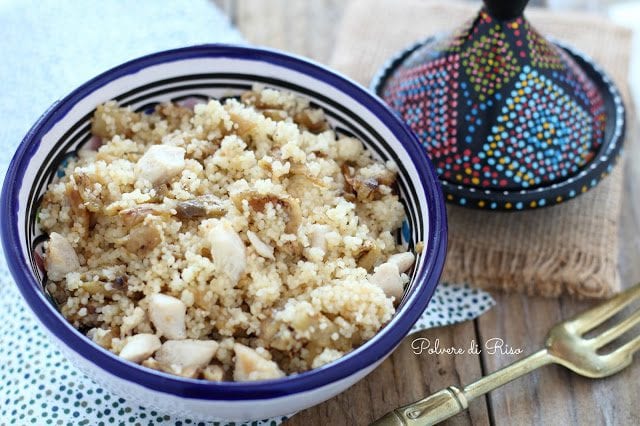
363 356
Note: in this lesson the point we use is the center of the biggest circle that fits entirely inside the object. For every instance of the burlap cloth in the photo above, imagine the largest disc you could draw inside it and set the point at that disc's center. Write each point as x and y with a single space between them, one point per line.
570 248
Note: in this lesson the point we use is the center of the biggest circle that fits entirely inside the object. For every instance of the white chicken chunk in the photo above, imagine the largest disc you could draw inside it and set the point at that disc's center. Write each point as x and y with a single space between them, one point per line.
227 249
215 373
261 247
318 236
60 257
250 365
186 357
101 337
349 149
160 163
140 347
403 260
168 316
387 277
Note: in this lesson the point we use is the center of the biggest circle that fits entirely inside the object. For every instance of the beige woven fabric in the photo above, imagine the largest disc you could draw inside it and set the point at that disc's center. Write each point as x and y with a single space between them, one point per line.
570 248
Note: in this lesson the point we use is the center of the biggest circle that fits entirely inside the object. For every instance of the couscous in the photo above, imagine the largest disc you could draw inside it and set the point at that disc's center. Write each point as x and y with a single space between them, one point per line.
236 240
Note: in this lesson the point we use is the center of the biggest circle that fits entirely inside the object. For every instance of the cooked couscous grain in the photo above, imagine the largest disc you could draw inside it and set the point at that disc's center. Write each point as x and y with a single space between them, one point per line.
242 240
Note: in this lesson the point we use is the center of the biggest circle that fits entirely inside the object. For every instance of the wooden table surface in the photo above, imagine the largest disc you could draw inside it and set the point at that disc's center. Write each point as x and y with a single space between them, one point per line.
551 395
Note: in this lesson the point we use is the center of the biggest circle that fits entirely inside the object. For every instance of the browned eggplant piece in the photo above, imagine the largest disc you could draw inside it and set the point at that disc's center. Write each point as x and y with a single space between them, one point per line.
202 206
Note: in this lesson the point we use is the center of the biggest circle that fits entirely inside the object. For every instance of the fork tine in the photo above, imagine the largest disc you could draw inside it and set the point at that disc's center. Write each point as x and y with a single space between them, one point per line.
629 348
593 317
617 330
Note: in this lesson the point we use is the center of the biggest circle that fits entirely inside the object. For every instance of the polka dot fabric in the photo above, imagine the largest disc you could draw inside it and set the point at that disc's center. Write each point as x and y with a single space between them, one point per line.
39 386
452 304
498 109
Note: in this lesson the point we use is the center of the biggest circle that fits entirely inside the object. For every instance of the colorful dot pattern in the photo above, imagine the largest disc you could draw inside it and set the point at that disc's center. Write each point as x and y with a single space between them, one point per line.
540 135
517 114
543 54
429 92
38 386
489 62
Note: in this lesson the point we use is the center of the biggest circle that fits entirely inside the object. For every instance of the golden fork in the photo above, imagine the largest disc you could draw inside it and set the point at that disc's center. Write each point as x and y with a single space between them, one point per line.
565 345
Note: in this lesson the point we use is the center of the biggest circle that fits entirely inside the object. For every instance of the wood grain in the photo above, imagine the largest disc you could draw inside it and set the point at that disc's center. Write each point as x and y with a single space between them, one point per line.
403 378
551 395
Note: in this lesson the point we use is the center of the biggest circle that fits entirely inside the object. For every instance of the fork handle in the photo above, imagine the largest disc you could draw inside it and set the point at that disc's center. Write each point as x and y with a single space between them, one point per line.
451 401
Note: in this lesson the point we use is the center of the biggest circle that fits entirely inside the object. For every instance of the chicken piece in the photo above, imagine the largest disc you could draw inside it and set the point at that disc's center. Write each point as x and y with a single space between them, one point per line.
214 373
387 277
168 316
160 163
227 249
403 260
261 247
250 365
186 357
140 347
318 236
349 149
60 257
100 336
143 239
160 191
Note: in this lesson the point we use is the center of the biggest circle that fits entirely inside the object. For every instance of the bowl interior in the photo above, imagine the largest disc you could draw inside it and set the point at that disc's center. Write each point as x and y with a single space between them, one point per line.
218 72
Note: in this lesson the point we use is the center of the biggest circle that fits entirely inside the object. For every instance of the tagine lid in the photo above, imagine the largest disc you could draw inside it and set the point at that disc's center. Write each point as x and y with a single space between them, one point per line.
509 119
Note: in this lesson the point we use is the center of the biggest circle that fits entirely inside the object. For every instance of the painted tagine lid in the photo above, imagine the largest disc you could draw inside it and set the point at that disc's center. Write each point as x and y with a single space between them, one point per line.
510 119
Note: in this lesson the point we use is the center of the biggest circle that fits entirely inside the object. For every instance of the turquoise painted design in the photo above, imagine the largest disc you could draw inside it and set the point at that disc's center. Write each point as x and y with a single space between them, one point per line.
406 231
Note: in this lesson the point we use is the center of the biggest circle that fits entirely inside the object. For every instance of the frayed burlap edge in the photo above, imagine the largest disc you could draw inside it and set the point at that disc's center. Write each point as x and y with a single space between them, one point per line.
550 273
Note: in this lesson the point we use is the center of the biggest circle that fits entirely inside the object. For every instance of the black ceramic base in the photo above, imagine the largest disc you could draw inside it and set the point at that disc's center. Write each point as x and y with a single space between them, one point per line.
560 190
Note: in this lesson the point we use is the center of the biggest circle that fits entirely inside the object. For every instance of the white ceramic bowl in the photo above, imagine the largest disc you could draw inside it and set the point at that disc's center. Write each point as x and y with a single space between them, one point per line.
218 71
